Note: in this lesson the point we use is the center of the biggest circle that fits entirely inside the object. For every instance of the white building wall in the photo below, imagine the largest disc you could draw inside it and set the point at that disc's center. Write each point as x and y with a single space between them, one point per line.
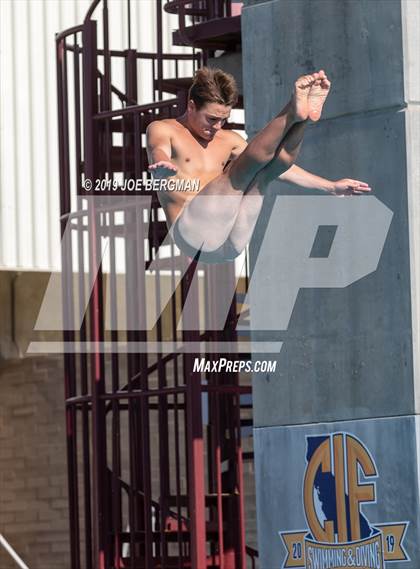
29 182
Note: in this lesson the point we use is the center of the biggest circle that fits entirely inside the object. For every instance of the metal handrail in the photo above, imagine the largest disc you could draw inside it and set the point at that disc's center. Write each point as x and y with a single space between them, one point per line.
91 9
12 552
69 32
135 109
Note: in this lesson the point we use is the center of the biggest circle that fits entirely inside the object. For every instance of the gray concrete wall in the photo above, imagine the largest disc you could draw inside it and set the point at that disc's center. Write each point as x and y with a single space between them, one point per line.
358 42
349 354
344 349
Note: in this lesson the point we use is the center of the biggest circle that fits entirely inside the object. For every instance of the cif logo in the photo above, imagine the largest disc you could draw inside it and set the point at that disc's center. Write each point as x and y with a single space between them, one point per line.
335 460
339 481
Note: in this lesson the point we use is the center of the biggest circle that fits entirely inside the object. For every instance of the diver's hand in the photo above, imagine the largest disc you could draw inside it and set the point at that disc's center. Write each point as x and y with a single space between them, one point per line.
162 169
349 187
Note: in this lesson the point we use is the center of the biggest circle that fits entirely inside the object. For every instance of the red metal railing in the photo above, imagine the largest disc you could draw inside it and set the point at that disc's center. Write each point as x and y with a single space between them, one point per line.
140 493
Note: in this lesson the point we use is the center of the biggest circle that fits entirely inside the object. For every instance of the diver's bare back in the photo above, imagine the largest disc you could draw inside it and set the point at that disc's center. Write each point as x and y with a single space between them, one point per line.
194 160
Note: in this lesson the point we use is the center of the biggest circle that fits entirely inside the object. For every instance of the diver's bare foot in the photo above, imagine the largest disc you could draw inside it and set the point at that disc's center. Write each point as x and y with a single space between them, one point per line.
317 95
300 98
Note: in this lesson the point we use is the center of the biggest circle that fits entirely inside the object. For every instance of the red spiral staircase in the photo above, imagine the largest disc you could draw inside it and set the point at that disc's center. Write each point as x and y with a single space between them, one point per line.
155 455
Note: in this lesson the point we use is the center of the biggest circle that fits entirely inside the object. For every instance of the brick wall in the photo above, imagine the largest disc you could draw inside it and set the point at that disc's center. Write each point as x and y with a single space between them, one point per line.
33 475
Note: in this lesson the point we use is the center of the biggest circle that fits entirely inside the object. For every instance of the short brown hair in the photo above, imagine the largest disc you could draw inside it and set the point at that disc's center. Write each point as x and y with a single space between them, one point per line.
213 86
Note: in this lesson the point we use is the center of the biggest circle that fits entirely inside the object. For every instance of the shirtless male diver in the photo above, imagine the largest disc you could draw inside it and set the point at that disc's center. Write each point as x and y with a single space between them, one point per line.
217 221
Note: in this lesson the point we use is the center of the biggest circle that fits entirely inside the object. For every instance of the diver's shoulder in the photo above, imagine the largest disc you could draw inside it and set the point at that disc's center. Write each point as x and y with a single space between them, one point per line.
162 125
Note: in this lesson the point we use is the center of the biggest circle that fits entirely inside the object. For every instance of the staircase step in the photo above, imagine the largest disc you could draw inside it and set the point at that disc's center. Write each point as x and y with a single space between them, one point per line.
172 7
171 535
210 499
243 356
220 33
175 84
172 561
247 456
